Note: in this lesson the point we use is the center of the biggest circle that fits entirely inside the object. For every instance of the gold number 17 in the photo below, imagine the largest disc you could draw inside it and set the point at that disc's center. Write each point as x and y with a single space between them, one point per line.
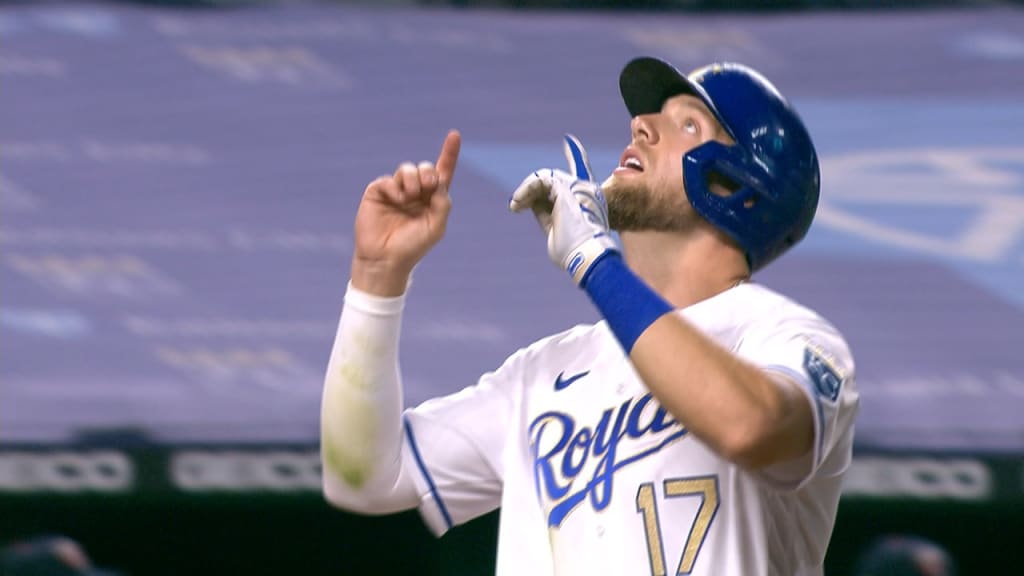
704 486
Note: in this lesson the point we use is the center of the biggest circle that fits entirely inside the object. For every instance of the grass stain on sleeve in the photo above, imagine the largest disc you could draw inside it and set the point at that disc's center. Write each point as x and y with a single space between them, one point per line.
349 426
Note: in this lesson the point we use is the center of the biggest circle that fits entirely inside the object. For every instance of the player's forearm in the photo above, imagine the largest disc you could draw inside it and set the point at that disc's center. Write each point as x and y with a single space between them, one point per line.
734 407
361 407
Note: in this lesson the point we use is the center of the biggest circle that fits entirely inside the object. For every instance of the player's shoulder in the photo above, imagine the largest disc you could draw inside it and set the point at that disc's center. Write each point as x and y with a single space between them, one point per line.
574 336
752 310
579 342
762 304
772 314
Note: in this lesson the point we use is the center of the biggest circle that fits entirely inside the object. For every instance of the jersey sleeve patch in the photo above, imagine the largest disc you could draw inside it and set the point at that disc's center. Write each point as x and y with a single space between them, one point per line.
823 374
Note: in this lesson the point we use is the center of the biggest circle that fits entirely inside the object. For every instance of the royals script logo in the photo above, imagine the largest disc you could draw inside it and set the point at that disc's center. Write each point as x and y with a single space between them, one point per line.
572 464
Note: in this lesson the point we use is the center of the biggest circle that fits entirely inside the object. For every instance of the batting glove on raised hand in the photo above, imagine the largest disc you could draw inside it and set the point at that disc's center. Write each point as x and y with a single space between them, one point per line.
571 209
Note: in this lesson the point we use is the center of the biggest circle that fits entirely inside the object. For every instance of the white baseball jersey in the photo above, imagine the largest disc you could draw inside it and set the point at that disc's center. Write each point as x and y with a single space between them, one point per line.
594 477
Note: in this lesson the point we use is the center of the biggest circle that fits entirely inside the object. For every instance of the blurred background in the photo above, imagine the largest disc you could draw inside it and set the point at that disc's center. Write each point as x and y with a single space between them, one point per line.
178 182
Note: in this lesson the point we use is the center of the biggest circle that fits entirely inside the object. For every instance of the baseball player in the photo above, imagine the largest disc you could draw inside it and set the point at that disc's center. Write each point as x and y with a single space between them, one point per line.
702 427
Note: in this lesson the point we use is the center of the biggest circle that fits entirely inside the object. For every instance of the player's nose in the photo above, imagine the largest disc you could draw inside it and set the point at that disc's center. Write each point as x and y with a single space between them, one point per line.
642 128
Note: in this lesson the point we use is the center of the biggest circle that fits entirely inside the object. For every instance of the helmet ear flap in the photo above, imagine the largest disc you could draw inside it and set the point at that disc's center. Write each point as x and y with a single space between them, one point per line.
723 188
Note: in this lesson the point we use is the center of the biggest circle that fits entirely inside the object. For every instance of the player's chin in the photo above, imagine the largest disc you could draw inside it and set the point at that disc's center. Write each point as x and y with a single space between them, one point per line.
621 177
633 209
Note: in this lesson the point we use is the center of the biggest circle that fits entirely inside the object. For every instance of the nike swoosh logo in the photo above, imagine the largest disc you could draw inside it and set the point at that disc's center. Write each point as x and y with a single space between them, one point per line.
563 383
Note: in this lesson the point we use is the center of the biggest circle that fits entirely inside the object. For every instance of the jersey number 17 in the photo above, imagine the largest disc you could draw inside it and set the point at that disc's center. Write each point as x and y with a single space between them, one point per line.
706 487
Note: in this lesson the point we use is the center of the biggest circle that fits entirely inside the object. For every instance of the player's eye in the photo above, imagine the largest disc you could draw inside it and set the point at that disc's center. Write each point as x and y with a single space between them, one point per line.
690 126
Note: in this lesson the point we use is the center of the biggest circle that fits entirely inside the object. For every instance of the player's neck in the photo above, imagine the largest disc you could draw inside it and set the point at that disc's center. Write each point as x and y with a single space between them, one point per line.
684 269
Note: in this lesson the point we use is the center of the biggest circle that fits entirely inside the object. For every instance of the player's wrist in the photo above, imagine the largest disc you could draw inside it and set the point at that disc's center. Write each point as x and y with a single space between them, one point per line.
580 262
628 304
383 279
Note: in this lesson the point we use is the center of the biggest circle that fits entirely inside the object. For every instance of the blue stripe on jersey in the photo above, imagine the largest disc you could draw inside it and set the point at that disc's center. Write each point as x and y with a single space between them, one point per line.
426 474
819 411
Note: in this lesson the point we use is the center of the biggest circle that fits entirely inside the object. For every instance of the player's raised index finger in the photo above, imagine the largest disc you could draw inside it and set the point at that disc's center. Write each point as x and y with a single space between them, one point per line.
448 159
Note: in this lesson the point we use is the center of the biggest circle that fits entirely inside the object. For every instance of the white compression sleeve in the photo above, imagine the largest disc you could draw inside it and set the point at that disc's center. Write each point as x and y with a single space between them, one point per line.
361 410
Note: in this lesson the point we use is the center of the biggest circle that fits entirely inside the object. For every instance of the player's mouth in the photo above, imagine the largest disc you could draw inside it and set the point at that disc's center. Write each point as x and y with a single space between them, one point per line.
630 162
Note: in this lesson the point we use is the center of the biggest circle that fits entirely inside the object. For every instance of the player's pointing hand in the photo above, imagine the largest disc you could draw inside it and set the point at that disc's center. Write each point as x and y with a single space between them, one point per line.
571 210
400 218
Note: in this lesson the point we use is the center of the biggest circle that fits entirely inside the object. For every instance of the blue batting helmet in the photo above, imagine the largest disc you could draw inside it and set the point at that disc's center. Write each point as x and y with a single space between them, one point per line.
773 161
